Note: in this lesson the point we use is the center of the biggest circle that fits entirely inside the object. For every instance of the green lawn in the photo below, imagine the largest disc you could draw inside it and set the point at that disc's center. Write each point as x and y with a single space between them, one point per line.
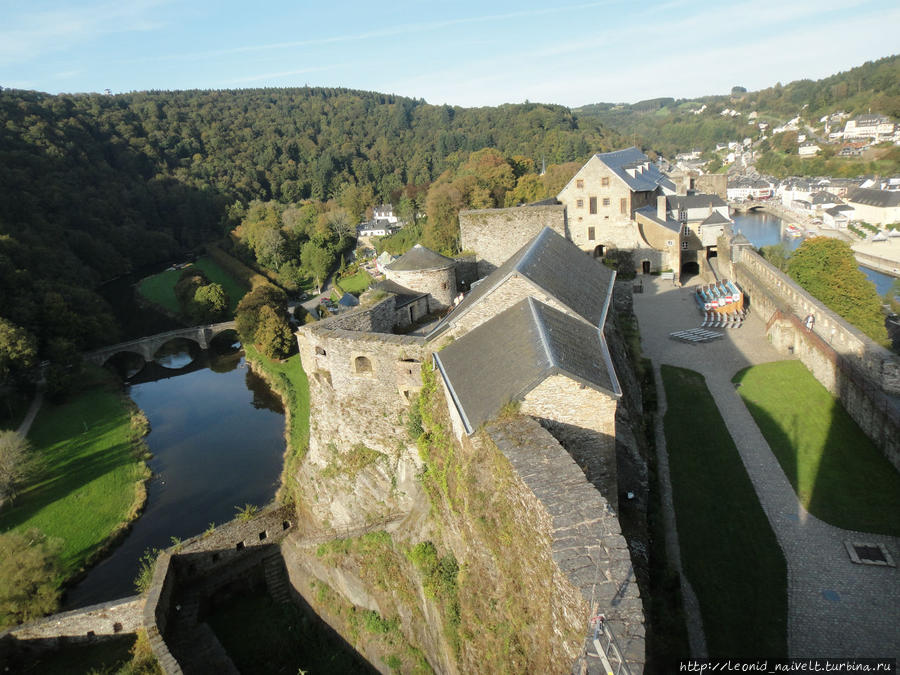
91 479
728 549
356 283
838 474
160 288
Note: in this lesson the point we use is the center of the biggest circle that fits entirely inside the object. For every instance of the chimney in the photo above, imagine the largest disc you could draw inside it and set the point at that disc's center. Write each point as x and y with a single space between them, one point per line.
661 207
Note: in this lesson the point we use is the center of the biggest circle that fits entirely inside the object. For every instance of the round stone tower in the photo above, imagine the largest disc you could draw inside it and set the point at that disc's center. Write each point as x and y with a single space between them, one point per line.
421 269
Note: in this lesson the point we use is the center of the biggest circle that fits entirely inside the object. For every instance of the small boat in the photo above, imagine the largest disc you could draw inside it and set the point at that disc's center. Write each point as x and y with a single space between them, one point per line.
793 231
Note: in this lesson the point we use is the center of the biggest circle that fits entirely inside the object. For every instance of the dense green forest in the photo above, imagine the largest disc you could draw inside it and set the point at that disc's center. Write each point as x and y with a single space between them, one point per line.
94 186
669 126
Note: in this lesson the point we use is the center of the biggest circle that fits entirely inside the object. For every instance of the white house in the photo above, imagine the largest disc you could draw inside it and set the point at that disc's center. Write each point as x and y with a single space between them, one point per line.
878 127
808 150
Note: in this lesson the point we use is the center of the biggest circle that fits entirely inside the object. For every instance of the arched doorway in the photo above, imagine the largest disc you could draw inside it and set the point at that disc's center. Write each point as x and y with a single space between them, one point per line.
690 268
599 250
645 267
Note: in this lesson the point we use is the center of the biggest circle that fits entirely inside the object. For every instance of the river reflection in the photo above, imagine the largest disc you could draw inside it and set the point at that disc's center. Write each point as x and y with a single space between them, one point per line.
217 438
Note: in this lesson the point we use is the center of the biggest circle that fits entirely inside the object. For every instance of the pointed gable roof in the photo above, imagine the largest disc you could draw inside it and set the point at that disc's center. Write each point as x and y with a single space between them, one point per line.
506 357
557 266
715 218
420 258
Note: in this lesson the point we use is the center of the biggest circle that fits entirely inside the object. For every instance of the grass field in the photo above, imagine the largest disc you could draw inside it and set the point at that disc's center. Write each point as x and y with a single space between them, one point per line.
356 283
160 288
838 474
728 549
91 480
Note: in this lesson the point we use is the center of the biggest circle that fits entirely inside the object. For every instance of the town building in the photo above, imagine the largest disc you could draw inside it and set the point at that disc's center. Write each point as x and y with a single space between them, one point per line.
877 127
878 207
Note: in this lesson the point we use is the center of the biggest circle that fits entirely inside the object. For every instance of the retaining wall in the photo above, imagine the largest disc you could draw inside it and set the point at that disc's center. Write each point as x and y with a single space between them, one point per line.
863 375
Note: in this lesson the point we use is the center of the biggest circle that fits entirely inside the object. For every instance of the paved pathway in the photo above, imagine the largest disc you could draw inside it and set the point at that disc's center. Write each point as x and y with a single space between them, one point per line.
835 608
33 409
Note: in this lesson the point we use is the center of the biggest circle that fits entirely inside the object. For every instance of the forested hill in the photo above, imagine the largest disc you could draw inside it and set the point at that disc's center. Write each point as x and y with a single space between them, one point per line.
669 126
93 186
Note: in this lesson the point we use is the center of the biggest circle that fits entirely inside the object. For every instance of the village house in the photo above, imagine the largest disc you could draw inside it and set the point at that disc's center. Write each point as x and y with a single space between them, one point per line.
877 127
603 195
878 207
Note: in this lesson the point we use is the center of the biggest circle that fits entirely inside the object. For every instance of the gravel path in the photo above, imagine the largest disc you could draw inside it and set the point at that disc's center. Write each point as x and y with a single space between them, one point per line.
835 608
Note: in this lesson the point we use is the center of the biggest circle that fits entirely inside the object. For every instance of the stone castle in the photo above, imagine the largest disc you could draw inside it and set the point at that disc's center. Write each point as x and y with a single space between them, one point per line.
531 365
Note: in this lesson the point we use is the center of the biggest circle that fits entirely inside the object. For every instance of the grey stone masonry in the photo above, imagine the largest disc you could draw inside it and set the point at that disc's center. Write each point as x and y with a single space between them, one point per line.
587 543
108 618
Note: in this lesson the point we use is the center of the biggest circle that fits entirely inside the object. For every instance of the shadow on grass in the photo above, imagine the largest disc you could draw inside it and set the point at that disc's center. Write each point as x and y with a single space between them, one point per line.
67 478
836 471
729 551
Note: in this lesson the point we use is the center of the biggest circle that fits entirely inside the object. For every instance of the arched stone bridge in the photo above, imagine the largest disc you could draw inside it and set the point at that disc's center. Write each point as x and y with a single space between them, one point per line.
147 347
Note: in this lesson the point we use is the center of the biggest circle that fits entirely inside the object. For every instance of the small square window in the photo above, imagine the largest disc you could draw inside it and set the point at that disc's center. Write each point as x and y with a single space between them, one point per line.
579 183
684 246
604 182
579 203
606 201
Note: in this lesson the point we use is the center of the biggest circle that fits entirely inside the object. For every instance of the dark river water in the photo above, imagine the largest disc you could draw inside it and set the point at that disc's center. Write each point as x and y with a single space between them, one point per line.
764 229
217 438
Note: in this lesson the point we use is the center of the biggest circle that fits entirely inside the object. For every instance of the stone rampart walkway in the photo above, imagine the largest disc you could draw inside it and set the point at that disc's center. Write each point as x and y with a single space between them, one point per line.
835 608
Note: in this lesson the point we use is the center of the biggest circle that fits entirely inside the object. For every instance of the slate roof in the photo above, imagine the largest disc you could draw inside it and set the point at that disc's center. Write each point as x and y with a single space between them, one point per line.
420 258
824 198
870 197
715 218
696 201
404 295
506 357
838 210
348 300
559 267
650 213
621 160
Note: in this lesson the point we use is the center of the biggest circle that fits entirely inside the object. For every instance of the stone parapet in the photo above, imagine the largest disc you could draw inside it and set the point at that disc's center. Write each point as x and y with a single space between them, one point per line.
587 543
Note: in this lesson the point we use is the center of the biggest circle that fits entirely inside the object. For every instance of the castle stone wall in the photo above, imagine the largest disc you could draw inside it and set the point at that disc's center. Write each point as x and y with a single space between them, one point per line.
494 235
102 620
440 284
864 376
586 540
583 420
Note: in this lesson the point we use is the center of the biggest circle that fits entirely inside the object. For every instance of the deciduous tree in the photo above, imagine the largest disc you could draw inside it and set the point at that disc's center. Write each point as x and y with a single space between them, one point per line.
29 576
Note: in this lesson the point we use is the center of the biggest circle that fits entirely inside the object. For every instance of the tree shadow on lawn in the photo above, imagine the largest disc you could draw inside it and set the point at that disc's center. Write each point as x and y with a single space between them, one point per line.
65 478
837 473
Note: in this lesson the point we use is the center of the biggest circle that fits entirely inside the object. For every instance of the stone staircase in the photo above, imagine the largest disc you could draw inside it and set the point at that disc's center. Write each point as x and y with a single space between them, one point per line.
276 578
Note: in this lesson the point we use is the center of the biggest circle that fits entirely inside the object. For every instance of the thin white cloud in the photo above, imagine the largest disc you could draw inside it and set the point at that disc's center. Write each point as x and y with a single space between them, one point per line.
275 76
27 37
394 31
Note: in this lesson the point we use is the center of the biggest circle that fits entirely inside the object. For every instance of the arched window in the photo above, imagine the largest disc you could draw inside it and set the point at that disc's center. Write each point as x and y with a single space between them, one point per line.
362 364
320 351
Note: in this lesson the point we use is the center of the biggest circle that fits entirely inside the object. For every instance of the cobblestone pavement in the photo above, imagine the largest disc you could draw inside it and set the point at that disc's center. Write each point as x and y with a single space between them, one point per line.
835 608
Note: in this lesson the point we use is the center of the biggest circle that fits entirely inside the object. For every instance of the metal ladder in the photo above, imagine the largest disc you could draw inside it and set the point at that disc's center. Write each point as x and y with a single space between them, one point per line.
607 648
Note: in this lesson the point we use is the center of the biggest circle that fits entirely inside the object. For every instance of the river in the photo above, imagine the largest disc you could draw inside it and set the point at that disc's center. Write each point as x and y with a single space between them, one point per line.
764 229
217 438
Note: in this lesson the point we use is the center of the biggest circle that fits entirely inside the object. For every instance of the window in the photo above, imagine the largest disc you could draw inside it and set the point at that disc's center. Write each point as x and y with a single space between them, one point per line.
591 233
685 230
684 246
362 365
604 182
579 184
593 205
320 351
623 205
579 203
606 201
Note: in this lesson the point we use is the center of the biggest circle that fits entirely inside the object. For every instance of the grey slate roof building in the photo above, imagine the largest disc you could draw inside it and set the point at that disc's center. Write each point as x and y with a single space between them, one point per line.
715 218
557 266
636 169
404 295
420 258
695 201
506 357
870 197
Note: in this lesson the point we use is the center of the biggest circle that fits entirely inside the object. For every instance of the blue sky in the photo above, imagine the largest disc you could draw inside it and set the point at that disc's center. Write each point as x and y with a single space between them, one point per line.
462 53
